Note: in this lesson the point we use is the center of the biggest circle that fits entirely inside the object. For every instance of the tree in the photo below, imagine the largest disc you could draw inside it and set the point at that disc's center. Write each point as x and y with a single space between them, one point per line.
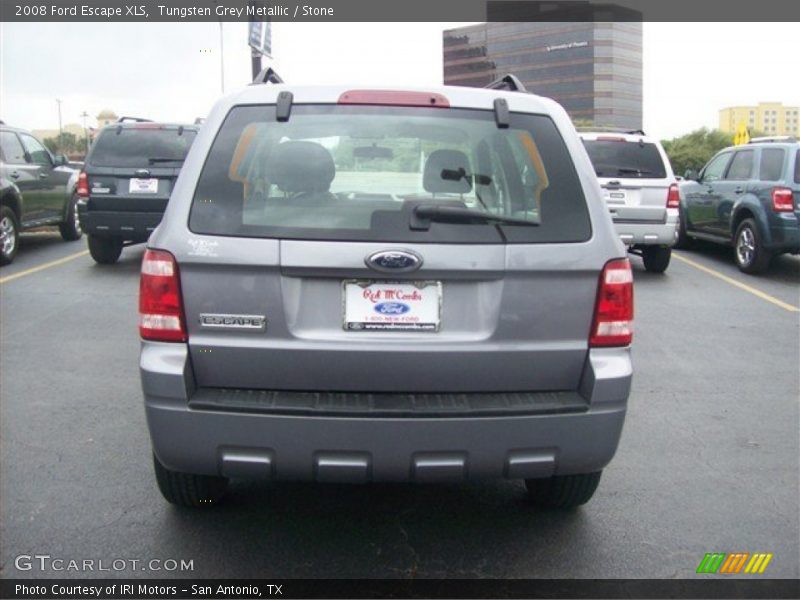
695 149
65 143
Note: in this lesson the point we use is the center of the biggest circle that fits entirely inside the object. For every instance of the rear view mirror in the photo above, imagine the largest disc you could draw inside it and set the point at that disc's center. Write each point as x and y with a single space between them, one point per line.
691 175
60 160
372 152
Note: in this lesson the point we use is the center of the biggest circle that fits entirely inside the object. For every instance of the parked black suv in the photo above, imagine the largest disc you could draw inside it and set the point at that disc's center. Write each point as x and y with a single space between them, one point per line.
747 196
127 180
36 189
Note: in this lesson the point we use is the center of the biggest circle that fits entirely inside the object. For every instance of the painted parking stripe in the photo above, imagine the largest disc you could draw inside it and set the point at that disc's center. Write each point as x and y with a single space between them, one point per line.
53 263
739 284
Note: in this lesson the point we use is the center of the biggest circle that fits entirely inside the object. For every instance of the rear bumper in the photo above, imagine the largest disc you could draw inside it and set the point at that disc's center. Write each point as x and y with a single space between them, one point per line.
378 448
784 233
135 226
645 233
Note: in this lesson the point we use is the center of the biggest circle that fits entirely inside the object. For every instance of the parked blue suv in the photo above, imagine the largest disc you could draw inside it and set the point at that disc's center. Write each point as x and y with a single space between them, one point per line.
747 196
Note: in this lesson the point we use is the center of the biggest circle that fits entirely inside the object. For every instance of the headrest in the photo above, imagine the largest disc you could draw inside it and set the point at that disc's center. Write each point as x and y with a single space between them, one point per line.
451 161
301 167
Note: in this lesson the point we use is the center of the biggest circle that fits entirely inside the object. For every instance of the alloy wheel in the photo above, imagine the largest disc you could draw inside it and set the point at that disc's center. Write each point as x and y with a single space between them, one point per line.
746 246
8 239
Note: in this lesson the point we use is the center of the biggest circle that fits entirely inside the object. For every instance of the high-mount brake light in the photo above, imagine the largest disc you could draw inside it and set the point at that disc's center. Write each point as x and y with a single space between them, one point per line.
394 98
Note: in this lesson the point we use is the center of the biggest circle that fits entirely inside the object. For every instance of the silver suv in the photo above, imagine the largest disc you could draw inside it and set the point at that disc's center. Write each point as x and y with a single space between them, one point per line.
385 285
641 192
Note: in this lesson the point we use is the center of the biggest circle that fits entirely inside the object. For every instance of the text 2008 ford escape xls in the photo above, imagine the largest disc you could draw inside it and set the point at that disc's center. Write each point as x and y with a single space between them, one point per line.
378 285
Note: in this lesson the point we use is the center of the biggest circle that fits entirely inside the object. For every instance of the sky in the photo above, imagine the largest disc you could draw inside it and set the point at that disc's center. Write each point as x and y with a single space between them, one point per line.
171 71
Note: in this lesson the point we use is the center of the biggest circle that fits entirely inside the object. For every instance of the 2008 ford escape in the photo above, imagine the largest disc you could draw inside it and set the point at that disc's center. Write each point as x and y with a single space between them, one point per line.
376 285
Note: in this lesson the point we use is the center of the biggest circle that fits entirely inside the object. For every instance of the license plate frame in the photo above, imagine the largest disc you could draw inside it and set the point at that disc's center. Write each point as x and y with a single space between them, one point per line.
426 318
147 185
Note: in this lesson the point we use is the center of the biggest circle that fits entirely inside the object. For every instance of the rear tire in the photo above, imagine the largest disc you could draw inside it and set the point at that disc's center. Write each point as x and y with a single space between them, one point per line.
9 235
185 489
71 228
105 250
750 255
563 491
656 258
684 242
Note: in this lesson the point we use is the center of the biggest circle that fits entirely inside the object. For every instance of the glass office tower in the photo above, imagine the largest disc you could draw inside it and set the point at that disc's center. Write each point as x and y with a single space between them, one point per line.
594 70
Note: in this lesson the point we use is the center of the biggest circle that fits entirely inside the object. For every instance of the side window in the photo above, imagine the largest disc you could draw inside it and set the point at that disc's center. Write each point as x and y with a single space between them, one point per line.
771 167
714 170
13 153
797 167
741 166
39 154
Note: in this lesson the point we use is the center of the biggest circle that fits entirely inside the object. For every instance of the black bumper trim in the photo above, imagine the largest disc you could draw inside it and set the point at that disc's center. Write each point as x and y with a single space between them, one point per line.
352 404
129 225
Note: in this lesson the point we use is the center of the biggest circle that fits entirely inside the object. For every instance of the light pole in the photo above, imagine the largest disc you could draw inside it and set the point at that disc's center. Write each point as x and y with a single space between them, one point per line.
221 53
60 130
221 60
84 114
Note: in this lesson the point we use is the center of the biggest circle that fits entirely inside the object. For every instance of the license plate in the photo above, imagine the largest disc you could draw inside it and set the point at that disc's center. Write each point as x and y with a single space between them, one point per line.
386 305
143 186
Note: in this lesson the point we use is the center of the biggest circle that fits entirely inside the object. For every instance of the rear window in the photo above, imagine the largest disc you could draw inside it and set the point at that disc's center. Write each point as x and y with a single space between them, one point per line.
137 147
771 168
620 158
357 173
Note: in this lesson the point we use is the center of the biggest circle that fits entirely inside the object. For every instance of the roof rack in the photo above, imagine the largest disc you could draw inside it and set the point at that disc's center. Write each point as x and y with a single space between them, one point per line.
267 75
773 139
600 129
507 82
134 120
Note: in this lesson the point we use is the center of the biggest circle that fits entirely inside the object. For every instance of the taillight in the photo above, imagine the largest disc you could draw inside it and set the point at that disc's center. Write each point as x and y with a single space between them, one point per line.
613 313
782 200
83 185
673 196
160 302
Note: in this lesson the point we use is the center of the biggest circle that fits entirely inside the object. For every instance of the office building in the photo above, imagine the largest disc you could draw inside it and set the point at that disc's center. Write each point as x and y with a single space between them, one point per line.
592 69
771 118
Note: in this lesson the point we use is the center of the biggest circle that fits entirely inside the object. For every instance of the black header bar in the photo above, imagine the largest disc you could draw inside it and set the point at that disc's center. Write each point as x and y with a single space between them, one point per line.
200 589
393 11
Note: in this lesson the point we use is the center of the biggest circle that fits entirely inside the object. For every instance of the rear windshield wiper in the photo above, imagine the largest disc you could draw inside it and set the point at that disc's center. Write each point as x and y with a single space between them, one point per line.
626 170
160 160
423 215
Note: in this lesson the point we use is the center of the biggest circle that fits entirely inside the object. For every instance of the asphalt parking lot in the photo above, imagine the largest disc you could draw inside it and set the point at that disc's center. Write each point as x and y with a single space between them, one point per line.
709 459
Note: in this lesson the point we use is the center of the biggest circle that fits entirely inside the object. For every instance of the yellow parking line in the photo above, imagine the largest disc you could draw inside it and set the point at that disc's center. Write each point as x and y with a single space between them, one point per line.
739 284
52 263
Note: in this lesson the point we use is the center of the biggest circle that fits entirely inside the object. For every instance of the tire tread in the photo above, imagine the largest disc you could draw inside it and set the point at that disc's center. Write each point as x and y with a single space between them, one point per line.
189 490
563 491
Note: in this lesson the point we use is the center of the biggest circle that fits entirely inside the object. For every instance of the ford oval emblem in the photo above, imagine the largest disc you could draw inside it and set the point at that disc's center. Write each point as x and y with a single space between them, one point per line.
394 261
392 308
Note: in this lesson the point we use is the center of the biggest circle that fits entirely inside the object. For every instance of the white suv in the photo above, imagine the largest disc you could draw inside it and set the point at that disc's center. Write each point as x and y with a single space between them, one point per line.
641 192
